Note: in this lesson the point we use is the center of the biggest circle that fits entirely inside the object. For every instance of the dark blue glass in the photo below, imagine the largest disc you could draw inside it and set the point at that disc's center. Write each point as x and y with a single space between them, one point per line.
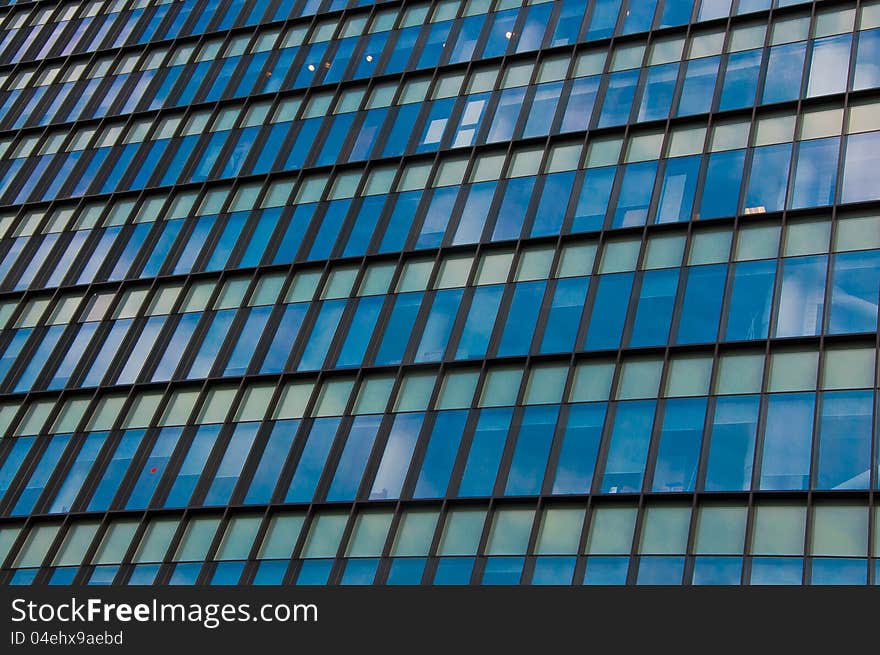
681 436
440 454
845 420
153 468
855 288
581 101
701 307
580 446
698 89
609 311
751 299
272 461
655 306
435 335
658 92
595 196
768 178
788 437
398 328
815 174
628 448
618 97
564 317
721 187
532 449
514 206
311 462
485 451
785 67
354 458
521 318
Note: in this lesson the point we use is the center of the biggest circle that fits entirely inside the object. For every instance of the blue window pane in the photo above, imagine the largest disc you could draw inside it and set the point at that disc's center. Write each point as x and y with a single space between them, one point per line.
311 461
701 307
322 335
503 123
639 16
227 573
628 448
81 466
285 336
802 296
636 190
322 246
474 213
609 311
248 339
553 570
116 468
785 66
654 310
225 244
845 422
658 93
606 570
485 452
293 234
768 178
855 287
717 570
660 570
867 74
176 346
406 571
699 86
397 331
154 468
193 465
314 572
440 454
365 223
503 570
581 101
777 571
214 337
437 217
28 496
229 469
815 174
564 317
271 462
454 571
740 80
17 452
435 335
532 450
788 437
63 575
680 438
603 19
359 572
594 198
481 318
580 446
185 574
359 332
512 212
399 447
721 188
830 56
862 157
521 318
270 572
618 98
103 575
400 222
552 205
543 109
751 299
354 458
838 571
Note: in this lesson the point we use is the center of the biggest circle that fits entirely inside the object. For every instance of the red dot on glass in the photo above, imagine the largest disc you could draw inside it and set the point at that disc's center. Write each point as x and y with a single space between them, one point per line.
153 470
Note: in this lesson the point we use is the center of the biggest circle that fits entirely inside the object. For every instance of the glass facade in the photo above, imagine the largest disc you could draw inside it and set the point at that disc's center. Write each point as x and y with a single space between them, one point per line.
341 292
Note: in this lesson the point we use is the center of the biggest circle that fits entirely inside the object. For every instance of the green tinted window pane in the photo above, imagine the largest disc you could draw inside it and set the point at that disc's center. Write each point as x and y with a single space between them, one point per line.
36 545
281 536
534 264
377 279
374 395
560 531
740 373
510 532
458 390
546 385
255 402
294 399
462 532
857 233
849 368
324 535
757 242
76 542
334 397
501 387
689 376
665 530
8 535
494 268
793 371
592 381
807 238
577 259
415 392
840 530
155 541
415 533
640 379
196 539
239 537
369 534
709 247
721 530
115 542
620 256
664 251
611 530
779 530
303 287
